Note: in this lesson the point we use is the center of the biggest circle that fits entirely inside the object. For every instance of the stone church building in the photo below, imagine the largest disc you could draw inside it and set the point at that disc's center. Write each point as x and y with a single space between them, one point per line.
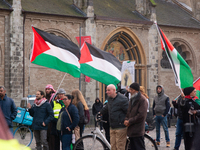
123 27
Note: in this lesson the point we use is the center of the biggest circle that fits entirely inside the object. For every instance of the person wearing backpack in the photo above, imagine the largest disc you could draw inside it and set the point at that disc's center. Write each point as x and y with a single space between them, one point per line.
69 120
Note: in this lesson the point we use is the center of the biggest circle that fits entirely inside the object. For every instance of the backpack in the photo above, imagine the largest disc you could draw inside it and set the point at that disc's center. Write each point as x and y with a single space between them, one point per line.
86 116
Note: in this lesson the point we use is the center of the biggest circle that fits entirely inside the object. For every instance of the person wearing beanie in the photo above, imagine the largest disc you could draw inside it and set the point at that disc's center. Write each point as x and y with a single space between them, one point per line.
191 111
161 107
135 118
116 108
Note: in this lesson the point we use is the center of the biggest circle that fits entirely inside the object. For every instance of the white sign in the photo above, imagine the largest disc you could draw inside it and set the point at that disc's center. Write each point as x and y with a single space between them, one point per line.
128 73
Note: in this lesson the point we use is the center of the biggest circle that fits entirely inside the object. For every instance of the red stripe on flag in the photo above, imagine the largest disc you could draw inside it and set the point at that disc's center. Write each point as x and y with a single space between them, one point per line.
39 45
85 54
170 46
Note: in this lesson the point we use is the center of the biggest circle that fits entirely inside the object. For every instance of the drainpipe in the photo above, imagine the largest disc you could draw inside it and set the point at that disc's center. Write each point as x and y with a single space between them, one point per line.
24 54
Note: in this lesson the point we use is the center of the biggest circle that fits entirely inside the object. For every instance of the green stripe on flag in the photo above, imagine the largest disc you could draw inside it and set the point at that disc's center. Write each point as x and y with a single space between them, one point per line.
186 77
55 63
98 75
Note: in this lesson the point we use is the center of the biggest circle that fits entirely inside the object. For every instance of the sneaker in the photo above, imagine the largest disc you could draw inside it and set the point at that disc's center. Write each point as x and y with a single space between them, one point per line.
168 144
158 143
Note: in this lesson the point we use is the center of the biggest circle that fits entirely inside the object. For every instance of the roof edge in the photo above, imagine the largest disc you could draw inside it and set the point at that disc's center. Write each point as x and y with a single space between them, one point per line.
178 26
183 7
10 10
31 12
123 20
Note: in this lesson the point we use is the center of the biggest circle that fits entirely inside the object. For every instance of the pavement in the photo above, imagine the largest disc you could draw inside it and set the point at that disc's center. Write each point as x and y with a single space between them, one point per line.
162 146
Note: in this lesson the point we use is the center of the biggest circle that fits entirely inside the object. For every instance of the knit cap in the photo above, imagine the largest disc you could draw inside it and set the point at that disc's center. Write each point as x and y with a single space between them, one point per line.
61 91
135 86
188 90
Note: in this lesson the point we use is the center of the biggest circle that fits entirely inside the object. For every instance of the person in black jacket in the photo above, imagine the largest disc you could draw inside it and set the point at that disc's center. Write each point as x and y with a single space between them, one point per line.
97 106
117 108
42 114
179 123
106 125
69 120
190 110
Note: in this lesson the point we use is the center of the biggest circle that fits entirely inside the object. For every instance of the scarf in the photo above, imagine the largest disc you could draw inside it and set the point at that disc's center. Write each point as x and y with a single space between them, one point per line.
189 97
51 98
38 103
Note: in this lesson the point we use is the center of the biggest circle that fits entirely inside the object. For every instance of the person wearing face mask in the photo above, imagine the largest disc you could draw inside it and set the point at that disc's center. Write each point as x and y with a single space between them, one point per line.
161 107
135 118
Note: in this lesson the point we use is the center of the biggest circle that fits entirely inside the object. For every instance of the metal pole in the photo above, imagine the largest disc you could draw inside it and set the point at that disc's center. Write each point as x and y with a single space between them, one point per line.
80 49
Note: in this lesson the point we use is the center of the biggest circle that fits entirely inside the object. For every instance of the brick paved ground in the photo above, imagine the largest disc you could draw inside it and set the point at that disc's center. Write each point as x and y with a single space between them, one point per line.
152 134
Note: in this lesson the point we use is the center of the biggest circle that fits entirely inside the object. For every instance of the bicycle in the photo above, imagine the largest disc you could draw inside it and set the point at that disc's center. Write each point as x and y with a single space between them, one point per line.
23 133
97 141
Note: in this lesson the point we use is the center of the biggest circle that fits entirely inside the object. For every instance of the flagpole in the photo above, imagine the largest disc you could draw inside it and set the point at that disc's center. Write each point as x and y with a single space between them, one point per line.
61 82
166 52
80 49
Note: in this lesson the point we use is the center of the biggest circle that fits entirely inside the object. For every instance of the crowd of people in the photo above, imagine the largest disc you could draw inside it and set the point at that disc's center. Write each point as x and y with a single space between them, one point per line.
57 116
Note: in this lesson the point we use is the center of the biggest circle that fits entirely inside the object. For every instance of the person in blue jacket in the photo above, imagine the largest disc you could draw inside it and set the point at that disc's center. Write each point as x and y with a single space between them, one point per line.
8 107
42 114
69 120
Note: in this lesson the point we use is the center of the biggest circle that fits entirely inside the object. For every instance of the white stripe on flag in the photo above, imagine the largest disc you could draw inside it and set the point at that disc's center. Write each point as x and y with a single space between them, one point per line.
62 54
105 66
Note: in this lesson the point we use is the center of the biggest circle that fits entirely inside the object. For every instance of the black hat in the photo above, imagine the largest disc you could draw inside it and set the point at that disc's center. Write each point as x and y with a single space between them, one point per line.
188 90
135 86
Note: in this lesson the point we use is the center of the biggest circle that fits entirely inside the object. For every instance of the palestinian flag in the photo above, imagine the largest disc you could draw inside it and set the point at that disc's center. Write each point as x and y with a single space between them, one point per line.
196 85
55 52
100 65
182 71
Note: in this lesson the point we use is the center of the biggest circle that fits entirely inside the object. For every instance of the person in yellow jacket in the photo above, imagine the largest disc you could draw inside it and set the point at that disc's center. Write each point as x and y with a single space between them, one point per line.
57 105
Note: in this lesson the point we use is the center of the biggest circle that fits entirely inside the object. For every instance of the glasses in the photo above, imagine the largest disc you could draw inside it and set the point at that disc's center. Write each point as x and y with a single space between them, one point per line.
64 99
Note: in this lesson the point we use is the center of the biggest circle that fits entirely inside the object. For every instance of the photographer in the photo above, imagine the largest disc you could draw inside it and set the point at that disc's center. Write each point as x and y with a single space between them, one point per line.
190 110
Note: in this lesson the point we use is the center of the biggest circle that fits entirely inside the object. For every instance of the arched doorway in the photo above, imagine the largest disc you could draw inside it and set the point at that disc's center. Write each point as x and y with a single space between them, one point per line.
125 45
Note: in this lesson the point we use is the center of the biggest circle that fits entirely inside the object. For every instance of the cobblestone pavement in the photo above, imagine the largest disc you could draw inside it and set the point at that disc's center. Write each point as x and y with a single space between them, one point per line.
151 133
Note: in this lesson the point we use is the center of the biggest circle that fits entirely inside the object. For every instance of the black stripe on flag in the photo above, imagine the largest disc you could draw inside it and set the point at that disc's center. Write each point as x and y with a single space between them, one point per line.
104 55
60 42
169 56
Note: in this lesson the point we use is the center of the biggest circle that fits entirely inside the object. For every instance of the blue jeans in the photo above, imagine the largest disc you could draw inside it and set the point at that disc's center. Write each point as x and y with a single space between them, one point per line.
66 141
179 133
163 121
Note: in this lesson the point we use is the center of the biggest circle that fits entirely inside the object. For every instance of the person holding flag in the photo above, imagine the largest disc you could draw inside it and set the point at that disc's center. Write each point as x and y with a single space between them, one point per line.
190 110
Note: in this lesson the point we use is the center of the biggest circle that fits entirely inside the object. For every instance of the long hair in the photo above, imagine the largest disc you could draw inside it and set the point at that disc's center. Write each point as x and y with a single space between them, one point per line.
78 96
142 90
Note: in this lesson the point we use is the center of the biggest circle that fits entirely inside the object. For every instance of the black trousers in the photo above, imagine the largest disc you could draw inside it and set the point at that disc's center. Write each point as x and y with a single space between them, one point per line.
81 128
188 140
137 143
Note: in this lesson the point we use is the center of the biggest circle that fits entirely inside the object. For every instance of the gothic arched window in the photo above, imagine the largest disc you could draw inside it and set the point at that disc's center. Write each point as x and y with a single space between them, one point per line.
182 50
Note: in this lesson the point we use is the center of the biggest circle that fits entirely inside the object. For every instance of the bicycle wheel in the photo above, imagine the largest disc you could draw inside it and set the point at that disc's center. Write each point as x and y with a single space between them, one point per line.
148 141
89 142
24 135
150 144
